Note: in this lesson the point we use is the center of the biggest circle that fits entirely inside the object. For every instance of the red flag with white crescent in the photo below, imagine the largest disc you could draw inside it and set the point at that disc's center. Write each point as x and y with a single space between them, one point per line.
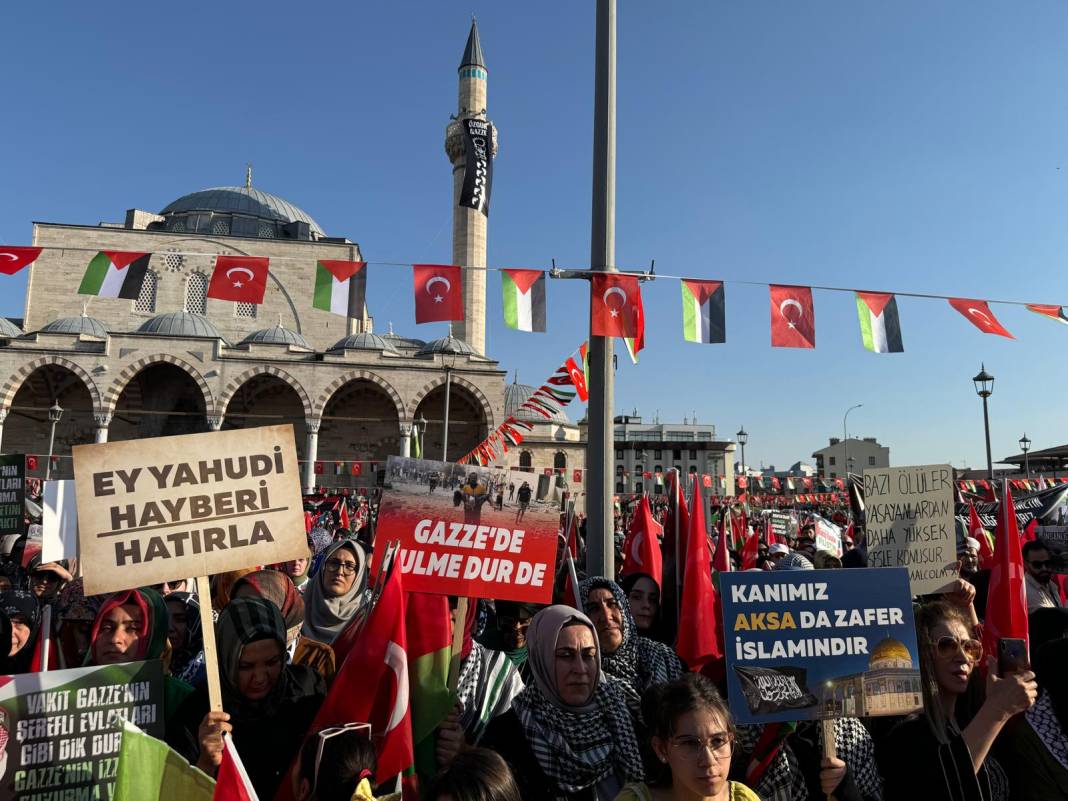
616 306
241 279
978 313
439 293
13 258
641 549
1006 600
793 317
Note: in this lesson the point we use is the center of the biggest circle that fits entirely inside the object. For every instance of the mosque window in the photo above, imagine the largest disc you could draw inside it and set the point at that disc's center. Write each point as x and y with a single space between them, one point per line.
146 300
177 225
265 231
174 261
246 310
196 294
220 226
560 460
526 461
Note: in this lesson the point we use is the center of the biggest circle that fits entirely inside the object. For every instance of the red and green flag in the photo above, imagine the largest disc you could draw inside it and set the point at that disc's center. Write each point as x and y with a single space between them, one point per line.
115 274
523 296
428 627
340 287
703 312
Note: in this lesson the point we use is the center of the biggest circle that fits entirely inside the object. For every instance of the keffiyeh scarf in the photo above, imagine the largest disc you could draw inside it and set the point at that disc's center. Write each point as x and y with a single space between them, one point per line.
1043 719
487 685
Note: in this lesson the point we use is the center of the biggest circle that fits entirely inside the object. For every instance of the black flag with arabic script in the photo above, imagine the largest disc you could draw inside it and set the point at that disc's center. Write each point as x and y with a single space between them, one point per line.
1042 506
478 165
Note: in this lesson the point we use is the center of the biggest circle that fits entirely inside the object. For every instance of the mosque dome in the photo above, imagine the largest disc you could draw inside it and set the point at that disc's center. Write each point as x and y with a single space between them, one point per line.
237 211
402 342
515 395
890 653
449 344
364 341
180 324
276 335
9 329
83 325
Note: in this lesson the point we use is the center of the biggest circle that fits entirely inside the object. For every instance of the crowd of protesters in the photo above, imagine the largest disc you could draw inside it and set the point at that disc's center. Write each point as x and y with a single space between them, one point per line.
584 702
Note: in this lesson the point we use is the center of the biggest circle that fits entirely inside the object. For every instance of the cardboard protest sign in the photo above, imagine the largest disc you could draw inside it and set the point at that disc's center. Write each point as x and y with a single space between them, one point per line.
12 494
56 738
455 542
828 536
783 524
910 523
1053 535
59 521
810 644
190 505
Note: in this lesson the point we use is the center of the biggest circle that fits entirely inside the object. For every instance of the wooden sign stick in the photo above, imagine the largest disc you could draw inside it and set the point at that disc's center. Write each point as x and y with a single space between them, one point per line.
830 747
211 655
457 642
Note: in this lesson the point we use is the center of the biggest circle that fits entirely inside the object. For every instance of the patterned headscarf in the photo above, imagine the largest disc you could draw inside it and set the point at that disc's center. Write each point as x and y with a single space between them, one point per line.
222 585
576 746
194 640
639 661
279 589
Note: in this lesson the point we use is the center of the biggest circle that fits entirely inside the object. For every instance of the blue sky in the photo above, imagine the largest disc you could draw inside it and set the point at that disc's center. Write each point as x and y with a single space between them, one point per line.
890 146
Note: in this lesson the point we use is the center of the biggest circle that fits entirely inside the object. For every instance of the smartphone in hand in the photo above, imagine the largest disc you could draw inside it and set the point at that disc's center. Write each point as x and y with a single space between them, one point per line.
1012 656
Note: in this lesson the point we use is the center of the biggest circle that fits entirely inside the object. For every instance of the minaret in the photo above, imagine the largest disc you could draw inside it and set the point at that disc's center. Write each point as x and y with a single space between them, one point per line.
469 225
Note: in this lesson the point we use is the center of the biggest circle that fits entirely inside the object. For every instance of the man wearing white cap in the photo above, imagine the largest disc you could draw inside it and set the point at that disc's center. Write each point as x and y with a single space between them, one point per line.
775 554
968 558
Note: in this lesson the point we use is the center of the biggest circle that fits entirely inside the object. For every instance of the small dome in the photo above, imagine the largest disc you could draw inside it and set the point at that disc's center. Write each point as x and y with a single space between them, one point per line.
9 329
180 324
89 326
515 395
449 344
364 341
890 653
401 342
276 335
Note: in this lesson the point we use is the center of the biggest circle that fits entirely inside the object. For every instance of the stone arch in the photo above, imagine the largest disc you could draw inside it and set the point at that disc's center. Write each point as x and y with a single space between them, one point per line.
460 381
111 397
11 386
357 375
235 384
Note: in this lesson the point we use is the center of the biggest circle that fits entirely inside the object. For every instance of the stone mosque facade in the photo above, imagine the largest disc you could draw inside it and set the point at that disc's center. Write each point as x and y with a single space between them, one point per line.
174 361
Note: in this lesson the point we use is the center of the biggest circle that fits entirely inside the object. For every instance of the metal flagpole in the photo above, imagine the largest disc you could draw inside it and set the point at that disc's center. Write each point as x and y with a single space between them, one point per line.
600 550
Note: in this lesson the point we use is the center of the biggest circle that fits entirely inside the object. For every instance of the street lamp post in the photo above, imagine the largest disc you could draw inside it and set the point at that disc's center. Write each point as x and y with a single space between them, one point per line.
1025 446
55 414
984 388
448 361
743 438
845 435
420 430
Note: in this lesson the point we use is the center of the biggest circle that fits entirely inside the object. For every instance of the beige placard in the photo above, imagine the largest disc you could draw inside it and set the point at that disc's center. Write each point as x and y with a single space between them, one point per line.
909 523
154 510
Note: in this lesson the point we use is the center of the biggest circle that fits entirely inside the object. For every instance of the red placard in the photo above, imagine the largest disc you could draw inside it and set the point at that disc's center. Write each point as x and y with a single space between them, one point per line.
454 542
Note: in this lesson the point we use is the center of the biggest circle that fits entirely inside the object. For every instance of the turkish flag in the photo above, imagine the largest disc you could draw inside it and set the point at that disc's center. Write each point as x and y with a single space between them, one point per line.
578 378
13 259
641 549
978 313
706 482
793 317
241 279
232 782
576 475
439 293
1006 600
751 551
700 639
318 468
357 469
616 306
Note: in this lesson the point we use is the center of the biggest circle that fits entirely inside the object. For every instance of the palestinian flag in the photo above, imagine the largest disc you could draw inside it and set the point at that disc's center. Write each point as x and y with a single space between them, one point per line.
1052 312
115 274
340 287
523 296
703 312
879 325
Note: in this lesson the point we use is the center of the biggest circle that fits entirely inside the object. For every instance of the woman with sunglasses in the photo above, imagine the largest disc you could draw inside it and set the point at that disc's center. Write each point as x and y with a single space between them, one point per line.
269 704
693 741
337 592
941 752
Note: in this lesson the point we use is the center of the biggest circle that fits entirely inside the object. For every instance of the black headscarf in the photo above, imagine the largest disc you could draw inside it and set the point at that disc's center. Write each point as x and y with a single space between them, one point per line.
22 604
194 641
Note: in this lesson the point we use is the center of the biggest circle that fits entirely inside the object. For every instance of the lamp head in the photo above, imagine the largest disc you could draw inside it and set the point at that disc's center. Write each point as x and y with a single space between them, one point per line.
984 383
55 414
743 437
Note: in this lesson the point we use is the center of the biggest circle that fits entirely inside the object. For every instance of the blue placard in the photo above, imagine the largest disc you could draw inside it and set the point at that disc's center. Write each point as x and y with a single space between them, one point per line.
810 644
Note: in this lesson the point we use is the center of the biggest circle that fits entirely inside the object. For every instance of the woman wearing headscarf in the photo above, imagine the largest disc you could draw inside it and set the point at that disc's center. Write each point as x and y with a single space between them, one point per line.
636 660
570 733
269 704
24 613
279 589
132 626
186 638
337 592
222 585
77 611
643 593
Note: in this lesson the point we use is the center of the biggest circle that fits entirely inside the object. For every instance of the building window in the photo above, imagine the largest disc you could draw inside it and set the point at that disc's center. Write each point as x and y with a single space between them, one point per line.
246 310
196 294
693 469
639 488
658 489
693 455
620 487
834 475
265 231
658 454
658 469
619 455
871 461
638 469
831 461
619 469
639 453
220 225
560 461
676 454
146 301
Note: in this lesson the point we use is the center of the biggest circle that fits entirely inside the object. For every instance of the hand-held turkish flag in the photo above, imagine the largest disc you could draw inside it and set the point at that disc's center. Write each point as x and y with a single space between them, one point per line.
699 610
241 279
616 306
439 293
14 258
641 549
1006 600
721 560
232 782
751 551
793 317
978 313
975 530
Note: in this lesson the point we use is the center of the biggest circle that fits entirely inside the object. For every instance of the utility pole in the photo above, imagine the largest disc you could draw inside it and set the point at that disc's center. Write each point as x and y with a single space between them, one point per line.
600 547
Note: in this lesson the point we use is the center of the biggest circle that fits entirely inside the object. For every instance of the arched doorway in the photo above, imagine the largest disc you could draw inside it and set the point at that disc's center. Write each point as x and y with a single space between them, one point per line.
359 424
27 428
162 400
467 422
266 400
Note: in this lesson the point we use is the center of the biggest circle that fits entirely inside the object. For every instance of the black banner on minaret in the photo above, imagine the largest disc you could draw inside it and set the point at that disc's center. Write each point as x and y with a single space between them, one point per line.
478 169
